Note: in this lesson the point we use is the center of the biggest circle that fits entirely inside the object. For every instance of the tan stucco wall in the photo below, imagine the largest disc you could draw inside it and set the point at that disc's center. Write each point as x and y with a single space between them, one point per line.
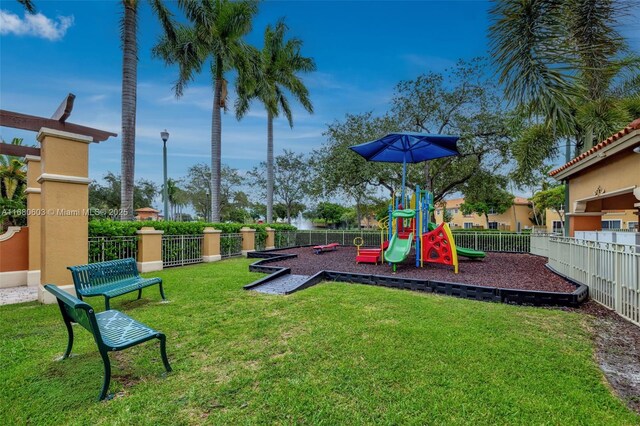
65 156
65 230
619 171
64 198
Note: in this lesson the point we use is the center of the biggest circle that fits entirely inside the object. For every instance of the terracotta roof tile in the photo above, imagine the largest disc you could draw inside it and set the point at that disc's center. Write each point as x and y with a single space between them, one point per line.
634 125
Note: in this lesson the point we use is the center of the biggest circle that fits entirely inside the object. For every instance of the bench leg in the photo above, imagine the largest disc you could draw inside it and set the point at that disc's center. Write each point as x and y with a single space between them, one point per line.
107 375
107 306
139 293
162 291
163 351
70 343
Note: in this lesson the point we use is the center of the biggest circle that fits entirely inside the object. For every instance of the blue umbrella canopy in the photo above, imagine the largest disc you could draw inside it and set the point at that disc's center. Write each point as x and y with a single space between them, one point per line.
408 147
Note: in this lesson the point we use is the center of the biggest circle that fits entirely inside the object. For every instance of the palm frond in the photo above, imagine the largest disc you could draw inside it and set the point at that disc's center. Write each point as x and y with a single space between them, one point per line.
28 5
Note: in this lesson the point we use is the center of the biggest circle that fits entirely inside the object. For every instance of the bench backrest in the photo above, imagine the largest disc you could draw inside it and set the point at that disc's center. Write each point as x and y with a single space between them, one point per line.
75 310
103 273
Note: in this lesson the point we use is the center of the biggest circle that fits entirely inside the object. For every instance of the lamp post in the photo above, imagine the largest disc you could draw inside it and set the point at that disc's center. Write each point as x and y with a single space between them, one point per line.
165 137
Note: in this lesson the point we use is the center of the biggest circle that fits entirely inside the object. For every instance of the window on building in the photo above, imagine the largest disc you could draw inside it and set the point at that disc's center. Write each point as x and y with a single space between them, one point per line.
493 225
468 225
611 224
633 225
557 226
492 211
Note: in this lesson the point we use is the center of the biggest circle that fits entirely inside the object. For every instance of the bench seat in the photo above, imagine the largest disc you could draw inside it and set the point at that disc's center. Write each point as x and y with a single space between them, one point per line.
120 331
119 288
112 330
110 279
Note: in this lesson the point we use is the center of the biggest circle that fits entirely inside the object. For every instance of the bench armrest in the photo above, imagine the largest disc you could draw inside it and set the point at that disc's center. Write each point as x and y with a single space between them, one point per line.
68 299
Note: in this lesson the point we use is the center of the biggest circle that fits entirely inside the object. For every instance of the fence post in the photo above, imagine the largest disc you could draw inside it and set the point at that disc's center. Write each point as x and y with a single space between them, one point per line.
270 244
211 245
149 249
616 277
248 240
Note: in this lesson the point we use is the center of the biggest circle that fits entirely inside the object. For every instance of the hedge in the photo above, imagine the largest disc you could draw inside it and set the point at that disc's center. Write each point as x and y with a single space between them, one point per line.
112 228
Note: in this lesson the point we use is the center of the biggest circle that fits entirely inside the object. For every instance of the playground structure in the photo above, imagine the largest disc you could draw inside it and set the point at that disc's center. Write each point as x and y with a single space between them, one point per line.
408 226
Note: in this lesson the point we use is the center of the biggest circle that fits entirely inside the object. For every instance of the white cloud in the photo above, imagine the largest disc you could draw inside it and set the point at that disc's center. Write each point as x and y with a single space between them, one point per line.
36 25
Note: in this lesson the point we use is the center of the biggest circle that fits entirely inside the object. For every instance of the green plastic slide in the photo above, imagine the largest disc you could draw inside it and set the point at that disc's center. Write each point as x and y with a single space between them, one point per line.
398 249
470 253
462 251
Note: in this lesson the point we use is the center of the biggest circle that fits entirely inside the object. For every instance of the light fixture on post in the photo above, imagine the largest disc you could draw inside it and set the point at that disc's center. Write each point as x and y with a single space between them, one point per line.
165 137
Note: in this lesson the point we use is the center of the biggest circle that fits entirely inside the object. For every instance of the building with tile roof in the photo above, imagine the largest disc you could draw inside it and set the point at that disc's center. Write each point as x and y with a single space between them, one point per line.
604 179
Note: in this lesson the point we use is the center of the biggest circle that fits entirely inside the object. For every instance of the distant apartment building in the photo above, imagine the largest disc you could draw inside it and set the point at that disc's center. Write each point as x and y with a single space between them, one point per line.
517 217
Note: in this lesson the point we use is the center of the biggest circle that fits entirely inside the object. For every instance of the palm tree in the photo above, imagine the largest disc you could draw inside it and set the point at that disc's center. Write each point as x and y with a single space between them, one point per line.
129 26
13 182
279 63
174 196
218 27
559 60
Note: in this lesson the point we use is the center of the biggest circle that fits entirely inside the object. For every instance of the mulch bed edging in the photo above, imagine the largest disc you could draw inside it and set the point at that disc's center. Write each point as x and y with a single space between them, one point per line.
466 291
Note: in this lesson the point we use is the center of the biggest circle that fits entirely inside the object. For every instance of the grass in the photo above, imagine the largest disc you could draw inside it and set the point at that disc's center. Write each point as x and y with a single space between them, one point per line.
332 354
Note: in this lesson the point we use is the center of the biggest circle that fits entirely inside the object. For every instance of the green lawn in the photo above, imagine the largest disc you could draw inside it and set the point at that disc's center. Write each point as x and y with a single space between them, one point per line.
332 354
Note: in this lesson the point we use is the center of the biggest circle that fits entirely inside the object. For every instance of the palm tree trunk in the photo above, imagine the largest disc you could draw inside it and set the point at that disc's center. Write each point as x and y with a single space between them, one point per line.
270 176
129 95
216 148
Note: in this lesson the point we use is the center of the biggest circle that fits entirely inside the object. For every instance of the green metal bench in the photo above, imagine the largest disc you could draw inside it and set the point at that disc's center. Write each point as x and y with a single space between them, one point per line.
112 330
110 279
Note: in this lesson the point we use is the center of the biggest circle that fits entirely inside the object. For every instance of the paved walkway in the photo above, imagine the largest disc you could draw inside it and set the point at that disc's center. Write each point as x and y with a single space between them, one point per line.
282 285
11 295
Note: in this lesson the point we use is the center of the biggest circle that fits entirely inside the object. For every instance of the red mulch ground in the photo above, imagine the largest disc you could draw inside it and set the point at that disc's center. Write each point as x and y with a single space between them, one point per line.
505 270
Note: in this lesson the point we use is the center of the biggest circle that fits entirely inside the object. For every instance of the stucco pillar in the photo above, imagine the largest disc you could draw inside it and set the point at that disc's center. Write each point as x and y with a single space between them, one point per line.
34 218
211 245
64 200
149 249
248 240
270 244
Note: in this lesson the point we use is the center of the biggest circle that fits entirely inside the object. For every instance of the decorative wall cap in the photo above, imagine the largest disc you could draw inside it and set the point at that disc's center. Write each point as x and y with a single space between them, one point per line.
245 229
210 230
147 230
45 131
30 157
50 177
33 191
269 229
11 231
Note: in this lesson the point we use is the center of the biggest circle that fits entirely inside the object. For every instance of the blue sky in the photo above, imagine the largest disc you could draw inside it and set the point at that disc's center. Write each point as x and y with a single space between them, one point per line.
362 49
